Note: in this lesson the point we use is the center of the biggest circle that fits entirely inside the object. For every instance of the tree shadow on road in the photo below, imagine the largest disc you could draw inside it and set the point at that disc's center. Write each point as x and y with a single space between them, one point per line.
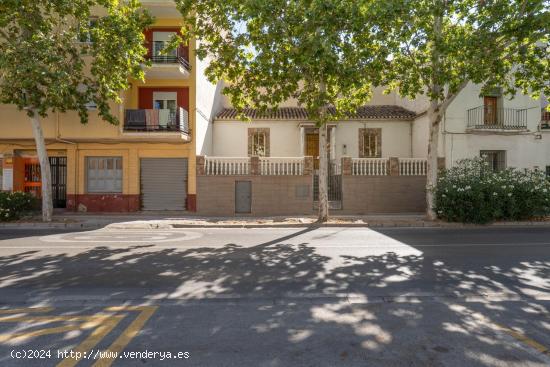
302 302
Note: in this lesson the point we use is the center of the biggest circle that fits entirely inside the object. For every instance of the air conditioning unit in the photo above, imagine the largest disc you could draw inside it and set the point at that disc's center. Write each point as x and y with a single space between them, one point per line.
91 106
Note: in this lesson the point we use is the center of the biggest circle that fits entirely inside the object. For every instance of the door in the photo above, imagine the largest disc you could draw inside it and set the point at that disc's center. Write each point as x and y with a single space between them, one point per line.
32 181
58 166
490 110
312 148
163 183
243 197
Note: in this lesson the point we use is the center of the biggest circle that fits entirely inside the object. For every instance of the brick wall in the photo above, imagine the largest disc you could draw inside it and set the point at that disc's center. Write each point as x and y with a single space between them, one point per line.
271 195
383 195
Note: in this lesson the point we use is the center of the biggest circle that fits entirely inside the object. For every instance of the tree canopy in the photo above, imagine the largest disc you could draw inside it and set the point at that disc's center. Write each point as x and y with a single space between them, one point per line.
55 57
437 47
321 52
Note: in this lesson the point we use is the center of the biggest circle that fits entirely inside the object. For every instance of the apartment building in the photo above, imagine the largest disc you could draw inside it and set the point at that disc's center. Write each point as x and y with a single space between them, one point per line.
145 163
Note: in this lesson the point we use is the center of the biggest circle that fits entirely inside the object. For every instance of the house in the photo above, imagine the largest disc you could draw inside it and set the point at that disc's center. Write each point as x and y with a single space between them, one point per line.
378 155
147 162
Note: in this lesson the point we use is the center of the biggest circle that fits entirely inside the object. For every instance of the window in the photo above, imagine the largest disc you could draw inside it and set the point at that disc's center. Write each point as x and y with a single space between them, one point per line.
160 41
370 143
86 31
258 142
104 174
495 158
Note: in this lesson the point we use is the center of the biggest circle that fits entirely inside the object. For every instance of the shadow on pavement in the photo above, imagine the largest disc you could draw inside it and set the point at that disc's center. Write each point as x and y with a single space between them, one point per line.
440 332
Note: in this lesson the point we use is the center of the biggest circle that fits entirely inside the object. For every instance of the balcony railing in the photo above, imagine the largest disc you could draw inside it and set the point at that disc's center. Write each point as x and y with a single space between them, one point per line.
545 119
146 120
181 57
488 117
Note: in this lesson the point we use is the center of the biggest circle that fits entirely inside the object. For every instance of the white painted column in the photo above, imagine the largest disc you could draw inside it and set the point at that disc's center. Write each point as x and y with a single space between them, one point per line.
303 140
333 142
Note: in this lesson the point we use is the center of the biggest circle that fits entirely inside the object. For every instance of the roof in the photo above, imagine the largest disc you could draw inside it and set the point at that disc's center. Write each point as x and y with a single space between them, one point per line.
373 112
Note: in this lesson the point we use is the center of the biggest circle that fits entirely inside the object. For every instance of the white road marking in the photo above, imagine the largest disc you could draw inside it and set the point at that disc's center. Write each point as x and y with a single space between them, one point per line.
121 236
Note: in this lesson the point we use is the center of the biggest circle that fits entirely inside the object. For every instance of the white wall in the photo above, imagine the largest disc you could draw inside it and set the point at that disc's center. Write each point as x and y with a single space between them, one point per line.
231 138
522 151
396 137
209 103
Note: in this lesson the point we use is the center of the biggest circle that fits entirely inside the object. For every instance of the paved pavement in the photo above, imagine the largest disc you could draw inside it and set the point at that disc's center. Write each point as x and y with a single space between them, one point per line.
275 297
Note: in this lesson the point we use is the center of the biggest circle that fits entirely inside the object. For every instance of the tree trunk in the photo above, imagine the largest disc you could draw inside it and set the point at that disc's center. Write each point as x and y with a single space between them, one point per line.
323 173
45 172
434 117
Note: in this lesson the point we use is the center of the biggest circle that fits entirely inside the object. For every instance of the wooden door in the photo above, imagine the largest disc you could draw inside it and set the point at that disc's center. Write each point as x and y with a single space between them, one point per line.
312 148
490 110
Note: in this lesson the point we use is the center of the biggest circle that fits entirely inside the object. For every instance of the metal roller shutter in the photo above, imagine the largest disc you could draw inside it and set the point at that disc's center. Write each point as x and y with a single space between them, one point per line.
163 183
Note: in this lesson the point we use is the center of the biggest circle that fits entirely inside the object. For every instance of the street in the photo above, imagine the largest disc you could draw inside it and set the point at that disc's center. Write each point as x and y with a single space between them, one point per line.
276 297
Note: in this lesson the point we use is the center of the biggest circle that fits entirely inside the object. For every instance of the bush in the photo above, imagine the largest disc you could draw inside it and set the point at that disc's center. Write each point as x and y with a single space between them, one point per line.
472 192
13 205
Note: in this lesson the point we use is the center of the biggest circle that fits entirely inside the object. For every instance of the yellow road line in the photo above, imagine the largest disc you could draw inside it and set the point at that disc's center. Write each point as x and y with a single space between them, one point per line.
131 331
525 340
50 319
32 334
92 340
26 310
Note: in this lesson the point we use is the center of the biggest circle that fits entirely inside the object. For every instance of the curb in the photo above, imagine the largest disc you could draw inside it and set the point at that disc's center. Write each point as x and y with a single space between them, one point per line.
169 226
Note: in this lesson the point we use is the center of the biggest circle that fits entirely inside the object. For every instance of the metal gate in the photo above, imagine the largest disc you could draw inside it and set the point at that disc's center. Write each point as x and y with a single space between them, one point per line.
243 197
334 186
163 183
58 167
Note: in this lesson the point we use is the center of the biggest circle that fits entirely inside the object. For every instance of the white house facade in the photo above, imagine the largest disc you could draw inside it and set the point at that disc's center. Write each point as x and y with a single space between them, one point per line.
269 165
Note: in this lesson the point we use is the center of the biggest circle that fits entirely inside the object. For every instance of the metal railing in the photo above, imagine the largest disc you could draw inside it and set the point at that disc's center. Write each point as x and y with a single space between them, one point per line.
180 57
153 120
226 166
369 166
544 119
281 166
413 166
488 117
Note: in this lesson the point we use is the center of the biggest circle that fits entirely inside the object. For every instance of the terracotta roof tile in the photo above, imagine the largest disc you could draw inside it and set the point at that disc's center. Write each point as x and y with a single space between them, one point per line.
299 113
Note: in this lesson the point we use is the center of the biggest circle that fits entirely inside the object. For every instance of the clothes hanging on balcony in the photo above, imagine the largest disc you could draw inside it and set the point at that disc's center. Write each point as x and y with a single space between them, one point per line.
148 119
154 123
164 118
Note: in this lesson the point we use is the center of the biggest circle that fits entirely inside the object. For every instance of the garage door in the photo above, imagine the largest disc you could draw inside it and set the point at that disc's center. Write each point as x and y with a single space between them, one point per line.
163 183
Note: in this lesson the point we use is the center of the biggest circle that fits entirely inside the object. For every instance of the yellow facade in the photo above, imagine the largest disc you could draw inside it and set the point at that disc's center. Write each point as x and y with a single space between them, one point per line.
66 136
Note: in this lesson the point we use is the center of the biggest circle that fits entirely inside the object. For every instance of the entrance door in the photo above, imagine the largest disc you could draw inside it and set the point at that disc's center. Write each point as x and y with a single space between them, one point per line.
243 197
163 183
312 148
490 110
33 179
58 166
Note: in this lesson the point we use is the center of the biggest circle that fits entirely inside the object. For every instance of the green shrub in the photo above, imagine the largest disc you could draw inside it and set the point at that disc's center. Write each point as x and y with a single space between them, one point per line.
472 192
13 205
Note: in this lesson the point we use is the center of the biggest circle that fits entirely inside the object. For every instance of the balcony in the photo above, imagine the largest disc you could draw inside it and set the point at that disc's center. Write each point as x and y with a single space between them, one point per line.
174 65
161 123
488 118
545 120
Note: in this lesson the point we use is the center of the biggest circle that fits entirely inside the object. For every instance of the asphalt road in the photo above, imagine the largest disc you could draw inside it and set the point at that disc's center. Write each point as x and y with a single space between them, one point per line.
276 297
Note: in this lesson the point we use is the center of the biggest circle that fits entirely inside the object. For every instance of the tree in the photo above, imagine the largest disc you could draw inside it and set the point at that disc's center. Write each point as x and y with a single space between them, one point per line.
321 52
55 57
439 46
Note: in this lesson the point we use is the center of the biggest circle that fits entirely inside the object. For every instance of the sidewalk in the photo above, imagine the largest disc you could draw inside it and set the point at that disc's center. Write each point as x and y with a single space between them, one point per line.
174 220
